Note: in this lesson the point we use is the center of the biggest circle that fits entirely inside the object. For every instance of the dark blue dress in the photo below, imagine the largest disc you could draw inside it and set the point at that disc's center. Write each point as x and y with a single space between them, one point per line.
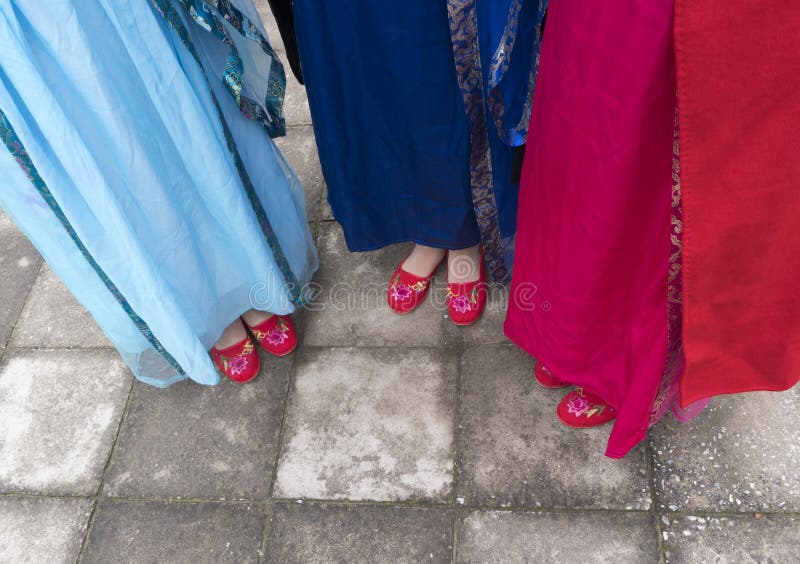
410 102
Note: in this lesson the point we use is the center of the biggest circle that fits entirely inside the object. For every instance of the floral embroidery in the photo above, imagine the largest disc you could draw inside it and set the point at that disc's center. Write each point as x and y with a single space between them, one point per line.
578 405
400 291
237 364
276 337
461 304
279 333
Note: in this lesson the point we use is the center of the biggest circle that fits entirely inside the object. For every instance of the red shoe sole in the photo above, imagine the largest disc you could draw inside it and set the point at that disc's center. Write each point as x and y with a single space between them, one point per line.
407 311
279 355
240 382
394 311
584 426
467 323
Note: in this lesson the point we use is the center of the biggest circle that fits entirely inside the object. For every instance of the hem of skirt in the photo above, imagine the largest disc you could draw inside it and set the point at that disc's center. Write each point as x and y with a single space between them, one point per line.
415 240
618 451
621 451
689 399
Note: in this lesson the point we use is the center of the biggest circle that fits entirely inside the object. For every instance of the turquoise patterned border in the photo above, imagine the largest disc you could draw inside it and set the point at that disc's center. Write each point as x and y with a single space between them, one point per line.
209 14
173 19
15 146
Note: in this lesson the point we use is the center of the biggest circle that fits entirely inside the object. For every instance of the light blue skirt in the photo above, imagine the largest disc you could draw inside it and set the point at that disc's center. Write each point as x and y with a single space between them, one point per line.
136 173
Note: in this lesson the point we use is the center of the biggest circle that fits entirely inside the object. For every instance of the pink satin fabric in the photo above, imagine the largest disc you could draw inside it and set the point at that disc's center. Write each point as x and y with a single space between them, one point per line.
595 210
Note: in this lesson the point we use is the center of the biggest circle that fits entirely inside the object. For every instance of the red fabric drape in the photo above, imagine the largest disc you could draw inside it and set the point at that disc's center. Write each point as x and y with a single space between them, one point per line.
738 67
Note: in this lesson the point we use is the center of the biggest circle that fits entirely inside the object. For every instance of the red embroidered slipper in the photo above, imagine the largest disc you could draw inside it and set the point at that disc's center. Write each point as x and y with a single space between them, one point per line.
238 362
466 301
407 291
276 335
546 379
581 410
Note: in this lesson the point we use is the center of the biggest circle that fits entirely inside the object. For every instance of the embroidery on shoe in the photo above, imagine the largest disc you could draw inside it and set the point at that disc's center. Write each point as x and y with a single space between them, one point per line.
579 405
463 303
279 333
237 364
400 291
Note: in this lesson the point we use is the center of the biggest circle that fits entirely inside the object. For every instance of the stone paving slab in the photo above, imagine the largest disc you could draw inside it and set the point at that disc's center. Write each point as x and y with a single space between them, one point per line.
322 533
41 529
501 537
295 105
741 454
327 212
300 150
53 318
732 540
134 532
351 308
369 424
59 415
514 452
271 27
19 263
198 442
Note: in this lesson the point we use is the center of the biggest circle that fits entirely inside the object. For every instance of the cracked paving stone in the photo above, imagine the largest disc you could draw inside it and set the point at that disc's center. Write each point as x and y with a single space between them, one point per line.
300 150
327 212
59 414
513 451
201 442
321 533
175 532
349 308
41 529
54 318
741 454
369 424
19 263
748 539
503 537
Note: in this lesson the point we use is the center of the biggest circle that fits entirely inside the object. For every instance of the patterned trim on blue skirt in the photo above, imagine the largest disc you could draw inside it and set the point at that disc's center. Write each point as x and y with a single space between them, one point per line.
210 14
173 19
463 19
15 146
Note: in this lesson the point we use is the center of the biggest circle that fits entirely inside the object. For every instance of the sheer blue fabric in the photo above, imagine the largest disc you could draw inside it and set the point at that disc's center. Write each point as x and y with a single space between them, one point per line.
392 107
117 117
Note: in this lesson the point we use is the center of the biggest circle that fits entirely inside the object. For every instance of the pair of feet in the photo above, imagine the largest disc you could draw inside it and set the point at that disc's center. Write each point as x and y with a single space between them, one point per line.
235 353
579 409
466 282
